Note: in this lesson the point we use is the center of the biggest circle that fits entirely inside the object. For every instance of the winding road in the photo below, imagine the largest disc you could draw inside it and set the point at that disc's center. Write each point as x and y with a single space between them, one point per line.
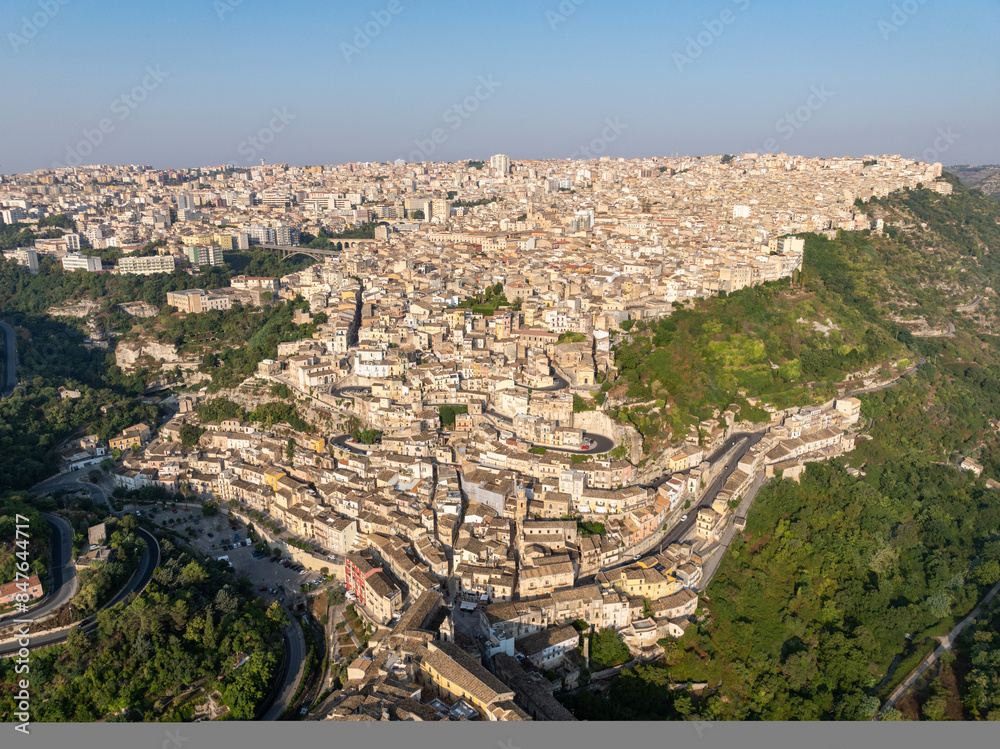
64 580
292 669
72 481
560 384
148 563
601 444
908 373
10 361
742 444
947 642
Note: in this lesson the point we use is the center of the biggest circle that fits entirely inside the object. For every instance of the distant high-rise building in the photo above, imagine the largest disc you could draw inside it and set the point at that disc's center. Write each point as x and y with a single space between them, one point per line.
500 163
205 255
741 211
262 234
287 236
12 215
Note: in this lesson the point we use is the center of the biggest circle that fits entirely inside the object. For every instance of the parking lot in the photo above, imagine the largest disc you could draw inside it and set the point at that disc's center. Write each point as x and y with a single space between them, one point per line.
216 537
278 579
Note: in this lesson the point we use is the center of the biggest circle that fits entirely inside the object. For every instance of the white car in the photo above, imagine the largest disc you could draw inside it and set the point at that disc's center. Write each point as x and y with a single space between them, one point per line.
683 518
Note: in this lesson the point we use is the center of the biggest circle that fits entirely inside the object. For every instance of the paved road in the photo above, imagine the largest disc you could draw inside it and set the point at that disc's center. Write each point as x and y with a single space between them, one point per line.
971 306
908 373
10 365
147 566
743 442
947 643
560 384
602 444
64 580
292 669
350 392
71 481
709 570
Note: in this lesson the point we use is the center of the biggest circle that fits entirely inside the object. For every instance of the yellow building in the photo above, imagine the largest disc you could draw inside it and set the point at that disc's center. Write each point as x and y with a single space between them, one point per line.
134 436
272 476
637 581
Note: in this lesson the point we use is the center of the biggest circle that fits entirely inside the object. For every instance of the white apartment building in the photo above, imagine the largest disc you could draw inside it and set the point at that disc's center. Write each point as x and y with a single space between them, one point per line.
144 266
75 261
25 256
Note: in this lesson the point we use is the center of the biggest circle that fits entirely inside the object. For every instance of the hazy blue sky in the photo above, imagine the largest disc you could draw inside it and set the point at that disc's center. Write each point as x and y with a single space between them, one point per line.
920 78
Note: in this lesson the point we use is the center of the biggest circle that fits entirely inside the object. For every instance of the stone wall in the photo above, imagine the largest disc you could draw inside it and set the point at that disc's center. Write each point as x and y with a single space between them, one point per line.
598 422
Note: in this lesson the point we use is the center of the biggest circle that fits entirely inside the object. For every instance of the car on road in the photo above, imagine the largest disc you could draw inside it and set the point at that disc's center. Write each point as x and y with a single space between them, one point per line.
585 447
211 535
637 557
683 518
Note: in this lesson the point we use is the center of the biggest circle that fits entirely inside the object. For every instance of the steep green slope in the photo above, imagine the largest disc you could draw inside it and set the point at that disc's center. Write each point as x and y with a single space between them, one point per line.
831 595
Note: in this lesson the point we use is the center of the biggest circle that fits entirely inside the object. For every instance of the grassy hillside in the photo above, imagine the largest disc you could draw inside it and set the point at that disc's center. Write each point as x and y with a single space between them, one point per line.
788 345
861 302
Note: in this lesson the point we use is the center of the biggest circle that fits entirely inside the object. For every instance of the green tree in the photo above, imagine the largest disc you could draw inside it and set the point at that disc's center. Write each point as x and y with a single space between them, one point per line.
608 649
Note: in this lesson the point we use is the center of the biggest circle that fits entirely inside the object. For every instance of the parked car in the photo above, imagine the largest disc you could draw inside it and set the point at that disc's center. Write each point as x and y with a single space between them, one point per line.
211 535
683 518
